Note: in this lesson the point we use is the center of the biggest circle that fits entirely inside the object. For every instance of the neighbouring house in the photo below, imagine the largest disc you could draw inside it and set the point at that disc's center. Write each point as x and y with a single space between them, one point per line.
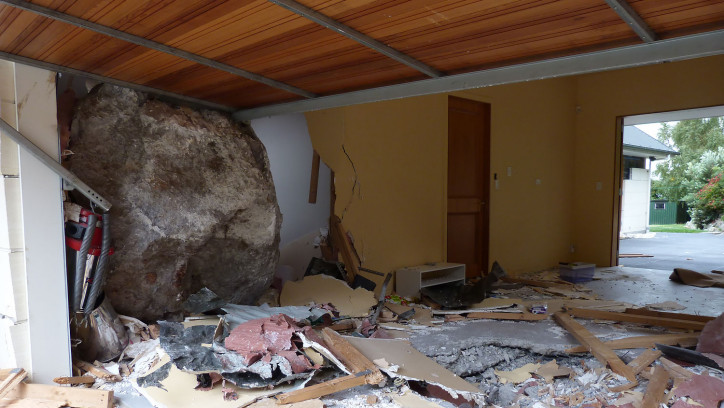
639 150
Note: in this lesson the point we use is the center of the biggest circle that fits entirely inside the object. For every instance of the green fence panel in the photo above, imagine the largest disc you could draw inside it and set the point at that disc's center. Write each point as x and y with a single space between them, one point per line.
662 212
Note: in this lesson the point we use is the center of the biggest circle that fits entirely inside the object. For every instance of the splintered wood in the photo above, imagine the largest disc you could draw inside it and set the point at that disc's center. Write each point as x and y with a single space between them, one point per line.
599 350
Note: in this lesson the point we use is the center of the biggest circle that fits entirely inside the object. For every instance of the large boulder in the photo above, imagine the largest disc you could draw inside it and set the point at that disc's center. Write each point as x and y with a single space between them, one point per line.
193 200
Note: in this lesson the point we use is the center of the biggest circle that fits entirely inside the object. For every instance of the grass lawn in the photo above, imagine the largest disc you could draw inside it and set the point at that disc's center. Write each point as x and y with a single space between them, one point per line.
673 228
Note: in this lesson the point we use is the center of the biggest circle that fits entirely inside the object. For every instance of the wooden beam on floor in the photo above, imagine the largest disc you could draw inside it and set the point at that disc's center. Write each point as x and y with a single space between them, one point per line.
634 318
13 379
680 316
71 396
680 339
656 389
644 360
355 361
322 389
599 350
507 316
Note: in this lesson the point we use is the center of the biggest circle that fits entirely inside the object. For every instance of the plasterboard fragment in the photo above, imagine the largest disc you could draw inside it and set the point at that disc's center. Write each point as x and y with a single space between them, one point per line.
411 400
551 370
325 289
518 375
415 366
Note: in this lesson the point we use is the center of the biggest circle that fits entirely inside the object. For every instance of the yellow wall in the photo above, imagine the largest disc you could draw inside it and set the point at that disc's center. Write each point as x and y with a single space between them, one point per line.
560 131
398 148
604 96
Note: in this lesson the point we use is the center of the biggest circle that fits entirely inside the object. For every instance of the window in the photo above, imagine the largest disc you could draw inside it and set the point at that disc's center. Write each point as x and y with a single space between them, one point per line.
659 206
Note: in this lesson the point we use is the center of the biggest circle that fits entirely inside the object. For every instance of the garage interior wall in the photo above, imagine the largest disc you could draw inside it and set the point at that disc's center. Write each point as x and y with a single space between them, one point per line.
559 131
35 329
290 151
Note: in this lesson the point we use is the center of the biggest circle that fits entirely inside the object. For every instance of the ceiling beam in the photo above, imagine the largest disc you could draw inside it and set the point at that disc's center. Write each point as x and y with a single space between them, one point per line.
629 15
164 95
676 49
145 42
355 35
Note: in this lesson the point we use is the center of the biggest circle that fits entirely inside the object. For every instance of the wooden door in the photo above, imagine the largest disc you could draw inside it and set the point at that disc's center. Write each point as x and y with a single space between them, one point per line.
468 181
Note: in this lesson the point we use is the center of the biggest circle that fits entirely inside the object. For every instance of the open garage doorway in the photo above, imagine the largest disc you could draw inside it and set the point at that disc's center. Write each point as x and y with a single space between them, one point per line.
672 191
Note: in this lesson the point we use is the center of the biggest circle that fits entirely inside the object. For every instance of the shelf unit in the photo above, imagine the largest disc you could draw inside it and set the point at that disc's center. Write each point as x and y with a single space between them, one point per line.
409 281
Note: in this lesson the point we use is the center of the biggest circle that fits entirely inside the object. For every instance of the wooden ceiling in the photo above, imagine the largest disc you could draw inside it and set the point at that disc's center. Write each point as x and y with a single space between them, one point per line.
266 39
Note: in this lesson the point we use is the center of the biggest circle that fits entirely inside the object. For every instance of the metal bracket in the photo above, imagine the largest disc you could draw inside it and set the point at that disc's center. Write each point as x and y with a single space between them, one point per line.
53 165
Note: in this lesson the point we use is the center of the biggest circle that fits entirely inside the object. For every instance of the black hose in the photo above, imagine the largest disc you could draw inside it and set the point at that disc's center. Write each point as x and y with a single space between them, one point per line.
81 261
99 277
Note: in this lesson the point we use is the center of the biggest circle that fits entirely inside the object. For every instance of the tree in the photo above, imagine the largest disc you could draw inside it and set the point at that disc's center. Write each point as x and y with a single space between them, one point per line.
700 143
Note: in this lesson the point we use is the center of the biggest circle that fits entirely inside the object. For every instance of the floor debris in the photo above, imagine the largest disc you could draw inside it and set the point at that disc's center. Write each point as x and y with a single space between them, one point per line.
582 350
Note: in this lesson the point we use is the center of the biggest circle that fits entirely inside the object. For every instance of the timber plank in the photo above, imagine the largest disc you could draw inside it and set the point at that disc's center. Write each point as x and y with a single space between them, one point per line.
322 389
644 360
13 379
599 350
680 316
633 318
71 396
507 316
355 361
340 241
656 389
682 339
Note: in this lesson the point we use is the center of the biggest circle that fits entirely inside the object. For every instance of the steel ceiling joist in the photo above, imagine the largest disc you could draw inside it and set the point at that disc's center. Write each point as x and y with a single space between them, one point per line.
676 49
355 35
629 15
144 42
169 96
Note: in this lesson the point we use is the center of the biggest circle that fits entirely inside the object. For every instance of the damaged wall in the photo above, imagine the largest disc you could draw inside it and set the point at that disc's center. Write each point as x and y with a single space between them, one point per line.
399 150
389 184
193 200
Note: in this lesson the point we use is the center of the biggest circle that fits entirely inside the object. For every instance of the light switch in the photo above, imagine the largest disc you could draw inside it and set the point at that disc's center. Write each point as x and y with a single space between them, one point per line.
510 171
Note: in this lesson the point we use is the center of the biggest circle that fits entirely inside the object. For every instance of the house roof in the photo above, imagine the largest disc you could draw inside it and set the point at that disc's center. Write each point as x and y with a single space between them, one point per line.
246 54
638 141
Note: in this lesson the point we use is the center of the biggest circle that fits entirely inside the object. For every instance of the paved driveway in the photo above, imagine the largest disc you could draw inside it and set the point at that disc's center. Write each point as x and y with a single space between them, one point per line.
700 252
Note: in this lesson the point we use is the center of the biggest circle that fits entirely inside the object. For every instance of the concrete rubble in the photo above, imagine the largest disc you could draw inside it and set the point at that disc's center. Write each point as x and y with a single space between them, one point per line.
465 359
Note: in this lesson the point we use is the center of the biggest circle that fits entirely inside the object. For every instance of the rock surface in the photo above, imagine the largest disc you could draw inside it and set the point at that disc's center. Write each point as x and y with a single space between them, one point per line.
193 201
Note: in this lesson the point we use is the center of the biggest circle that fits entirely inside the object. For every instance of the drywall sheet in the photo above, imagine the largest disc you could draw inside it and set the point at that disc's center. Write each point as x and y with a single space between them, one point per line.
322 289
177 390
412 363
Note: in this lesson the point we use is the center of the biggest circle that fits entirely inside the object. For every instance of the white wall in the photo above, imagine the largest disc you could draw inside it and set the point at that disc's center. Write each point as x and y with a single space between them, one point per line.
290 151
635 202
31 227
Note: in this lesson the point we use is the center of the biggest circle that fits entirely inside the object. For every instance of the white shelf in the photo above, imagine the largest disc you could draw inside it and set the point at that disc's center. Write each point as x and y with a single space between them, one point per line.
408 281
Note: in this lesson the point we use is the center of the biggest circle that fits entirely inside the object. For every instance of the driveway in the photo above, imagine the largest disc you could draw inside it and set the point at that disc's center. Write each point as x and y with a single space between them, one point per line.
700 252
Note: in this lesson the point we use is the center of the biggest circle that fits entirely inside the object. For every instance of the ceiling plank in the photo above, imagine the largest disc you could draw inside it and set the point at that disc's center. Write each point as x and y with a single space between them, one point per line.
165 95
144 42
355 35
629 15
676 49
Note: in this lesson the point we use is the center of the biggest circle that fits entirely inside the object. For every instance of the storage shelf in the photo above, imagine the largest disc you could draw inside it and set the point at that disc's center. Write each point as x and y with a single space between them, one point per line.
410 280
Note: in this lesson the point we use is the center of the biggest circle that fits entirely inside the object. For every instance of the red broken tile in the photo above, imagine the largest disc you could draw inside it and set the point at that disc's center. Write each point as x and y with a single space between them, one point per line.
711 339
299 363
704 389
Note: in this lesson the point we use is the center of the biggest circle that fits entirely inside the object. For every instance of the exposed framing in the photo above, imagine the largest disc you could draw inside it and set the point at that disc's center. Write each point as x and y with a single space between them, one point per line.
629 15
357 36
